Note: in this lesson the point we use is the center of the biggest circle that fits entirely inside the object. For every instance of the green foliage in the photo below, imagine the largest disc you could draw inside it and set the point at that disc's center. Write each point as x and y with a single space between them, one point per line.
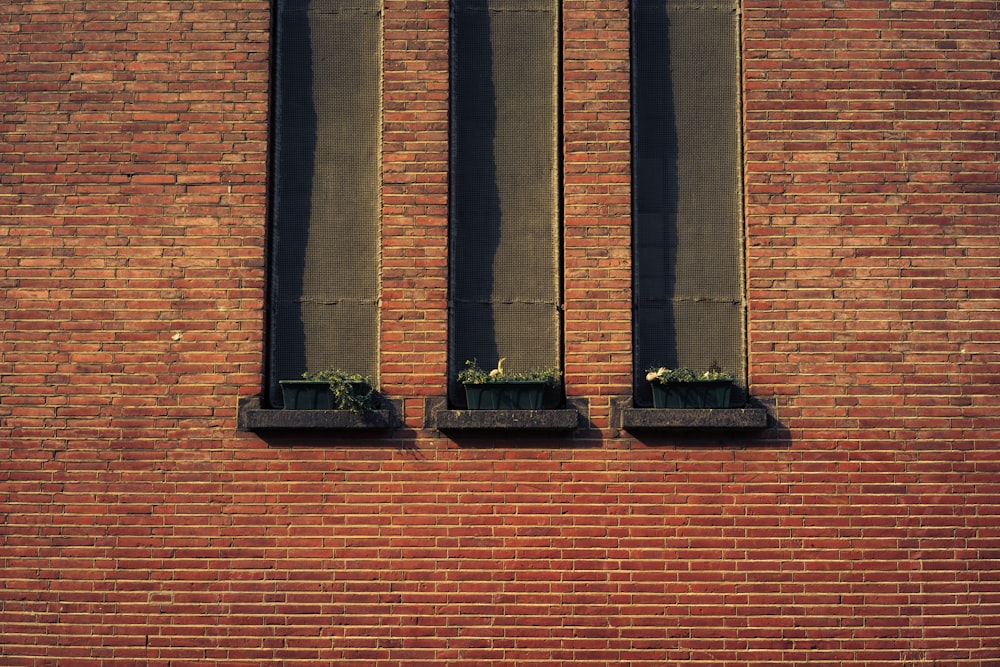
666 375
351 391
473 374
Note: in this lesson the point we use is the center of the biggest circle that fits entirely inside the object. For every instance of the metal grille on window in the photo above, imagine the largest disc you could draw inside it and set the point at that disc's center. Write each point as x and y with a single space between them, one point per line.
689 306
505 235
326 189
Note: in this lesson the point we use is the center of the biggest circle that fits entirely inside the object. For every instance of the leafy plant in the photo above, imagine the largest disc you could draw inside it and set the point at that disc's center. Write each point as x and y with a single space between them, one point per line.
666 375
351 391
474 374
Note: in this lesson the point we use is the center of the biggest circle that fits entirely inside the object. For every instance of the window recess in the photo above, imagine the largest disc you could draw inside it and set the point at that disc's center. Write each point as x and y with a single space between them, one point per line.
505 242
325 197
687 201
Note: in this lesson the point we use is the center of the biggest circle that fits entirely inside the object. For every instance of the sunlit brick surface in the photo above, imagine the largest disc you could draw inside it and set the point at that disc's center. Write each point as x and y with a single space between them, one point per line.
860 529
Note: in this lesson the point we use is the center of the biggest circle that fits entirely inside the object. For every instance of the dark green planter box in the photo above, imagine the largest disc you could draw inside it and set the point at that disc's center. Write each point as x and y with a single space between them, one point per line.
306 395
698 394
310 395
505 395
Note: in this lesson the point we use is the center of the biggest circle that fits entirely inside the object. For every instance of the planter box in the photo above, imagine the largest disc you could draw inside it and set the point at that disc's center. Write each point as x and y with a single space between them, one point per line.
306 395
505 395
312 395
698 394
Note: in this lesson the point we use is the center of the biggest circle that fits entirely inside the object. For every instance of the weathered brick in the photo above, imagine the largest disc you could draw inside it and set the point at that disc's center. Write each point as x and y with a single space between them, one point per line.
140 526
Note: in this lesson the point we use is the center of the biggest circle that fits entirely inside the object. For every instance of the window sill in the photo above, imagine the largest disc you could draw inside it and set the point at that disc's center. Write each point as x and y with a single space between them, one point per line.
253 417
505 420
733 419
552 421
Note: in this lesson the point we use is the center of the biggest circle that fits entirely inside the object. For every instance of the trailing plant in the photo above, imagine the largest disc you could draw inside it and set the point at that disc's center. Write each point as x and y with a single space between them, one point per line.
474 374
351 391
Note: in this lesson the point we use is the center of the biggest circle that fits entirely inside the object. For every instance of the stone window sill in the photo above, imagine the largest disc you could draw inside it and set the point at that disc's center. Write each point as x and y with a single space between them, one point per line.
253 417
552 421
733 419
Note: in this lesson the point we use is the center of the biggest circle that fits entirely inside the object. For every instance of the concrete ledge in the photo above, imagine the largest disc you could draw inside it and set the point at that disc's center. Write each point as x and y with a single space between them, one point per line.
506 420
252 417
636 419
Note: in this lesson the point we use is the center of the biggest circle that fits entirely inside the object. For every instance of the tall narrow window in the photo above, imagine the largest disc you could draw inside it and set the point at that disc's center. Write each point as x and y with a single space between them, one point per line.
505 287
326 193
689 305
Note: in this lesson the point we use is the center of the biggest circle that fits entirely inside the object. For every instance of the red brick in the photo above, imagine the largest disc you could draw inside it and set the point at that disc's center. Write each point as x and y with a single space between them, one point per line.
140 526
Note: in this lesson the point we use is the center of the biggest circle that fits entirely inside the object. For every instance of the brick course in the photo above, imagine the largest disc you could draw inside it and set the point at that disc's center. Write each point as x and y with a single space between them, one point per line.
140 527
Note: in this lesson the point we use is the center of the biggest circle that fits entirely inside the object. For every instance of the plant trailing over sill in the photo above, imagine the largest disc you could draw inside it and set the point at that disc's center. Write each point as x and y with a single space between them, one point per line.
349 391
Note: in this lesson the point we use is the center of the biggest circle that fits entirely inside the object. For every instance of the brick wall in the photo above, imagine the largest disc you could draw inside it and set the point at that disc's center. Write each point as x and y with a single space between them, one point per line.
140 527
